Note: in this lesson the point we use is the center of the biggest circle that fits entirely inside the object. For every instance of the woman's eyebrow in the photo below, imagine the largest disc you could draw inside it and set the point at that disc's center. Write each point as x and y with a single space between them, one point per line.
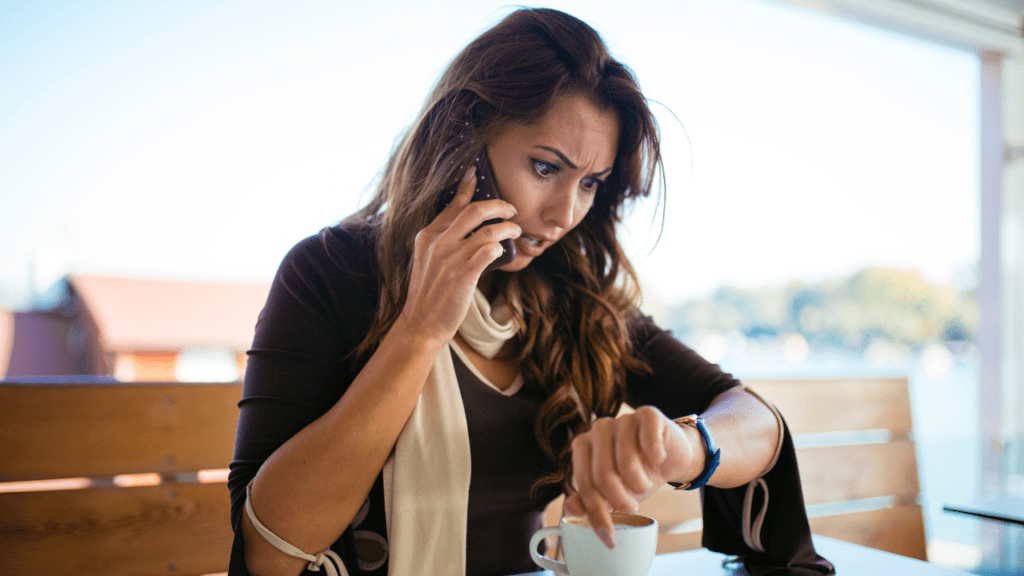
563 157
568 162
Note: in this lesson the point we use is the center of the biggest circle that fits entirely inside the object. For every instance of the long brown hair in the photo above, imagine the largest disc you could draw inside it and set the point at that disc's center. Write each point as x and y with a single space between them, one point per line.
576 302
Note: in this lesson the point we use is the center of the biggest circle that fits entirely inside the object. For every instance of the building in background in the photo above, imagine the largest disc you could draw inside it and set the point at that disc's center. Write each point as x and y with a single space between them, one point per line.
133 329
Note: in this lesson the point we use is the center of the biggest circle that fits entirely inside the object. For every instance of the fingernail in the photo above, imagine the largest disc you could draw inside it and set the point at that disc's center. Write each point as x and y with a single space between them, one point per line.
606 537
469 174
514 211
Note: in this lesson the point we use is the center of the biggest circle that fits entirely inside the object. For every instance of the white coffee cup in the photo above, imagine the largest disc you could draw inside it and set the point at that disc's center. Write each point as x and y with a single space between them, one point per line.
636 539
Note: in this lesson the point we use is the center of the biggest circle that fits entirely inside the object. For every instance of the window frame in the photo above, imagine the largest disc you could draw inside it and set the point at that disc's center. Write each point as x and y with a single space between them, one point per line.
994 30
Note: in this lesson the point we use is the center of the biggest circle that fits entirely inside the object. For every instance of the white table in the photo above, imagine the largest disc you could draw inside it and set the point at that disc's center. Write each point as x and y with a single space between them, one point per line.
849 560
1005 509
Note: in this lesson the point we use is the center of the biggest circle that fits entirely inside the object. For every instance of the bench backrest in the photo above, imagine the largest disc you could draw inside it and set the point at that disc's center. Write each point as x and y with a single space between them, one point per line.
149 463
173 519
858 465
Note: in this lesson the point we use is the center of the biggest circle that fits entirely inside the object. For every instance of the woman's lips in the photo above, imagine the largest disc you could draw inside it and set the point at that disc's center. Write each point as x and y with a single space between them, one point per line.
531 240
531 245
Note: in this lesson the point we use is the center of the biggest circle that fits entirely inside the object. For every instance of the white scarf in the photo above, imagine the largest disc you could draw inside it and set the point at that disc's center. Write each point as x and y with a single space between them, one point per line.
426 479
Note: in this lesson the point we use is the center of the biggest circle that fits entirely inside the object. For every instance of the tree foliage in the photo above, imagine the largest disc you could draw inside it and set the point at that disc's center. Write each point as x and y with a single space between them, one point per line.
900 306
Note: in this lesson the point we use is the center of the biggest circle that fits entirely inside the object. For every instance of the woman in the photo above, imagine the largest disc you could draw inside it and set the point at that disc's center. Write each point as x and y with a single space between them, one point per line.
412 411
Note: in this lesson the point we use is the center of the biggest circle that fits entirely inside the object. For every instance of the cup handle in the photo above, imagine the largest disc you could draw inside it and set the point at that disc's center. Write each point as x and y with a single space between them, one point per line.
544 562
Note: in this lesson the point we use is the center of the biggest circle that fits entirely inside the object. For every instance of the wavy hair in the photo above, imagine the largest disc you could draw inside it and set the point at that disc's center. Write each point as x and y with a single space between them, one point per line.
576 302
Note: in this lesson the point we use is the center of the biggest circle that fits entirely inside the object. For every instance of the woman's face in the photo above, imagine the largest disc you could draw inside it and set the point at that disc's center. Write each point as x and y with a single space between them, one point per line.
550 171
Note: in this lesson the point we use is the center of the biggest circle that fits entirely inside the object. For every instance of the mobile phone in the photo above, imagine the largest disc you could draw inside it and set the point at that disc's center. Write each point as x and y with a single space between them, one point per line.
486 190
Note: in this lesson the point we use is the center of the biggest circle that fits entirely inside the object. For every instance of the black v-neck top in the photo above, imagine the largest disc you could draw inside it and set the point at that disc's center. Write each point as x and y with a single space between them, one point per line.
506 462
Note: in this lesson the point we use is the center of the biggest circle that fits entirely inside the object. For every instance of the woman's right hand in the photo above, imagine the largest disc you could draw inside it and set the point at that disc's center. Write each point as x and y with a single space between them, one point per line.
310 488
447 265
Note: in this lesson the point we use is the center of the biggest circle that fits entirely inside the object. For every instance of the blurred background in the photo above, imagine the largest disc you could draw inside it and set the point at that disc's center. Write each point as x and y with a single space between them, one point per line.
837 202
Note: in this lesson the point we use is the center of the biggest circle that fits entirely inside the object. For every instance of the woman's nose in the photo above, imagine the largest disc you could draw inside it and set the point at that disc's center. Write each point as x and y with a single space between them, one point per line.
559 210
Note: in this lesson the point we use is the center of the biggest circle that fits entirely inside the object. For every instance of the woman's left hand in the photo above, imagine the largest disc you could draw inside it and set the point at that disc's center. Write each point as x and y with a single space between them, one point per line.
621 461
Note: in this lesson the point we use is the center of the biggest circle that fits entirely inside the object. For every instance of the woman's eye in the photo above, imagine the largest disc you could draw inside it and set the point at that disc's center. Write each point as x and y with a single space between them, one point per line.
592 185
544 169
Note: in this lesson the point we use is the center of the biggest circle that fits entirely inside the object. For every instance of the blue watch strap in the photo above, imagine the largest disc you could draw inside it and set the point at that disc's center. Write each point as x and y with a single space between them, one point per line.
714 453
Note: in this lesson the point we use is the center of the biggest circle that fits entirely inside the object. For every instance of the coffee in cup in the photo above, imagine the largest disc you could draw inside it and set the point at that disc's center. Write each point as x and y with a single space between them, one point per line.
636 539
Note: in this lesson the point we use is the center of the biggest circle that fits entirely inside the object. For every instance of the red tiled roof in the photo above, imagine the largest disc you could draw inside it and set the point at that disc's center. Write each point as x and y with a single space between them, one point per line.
134 314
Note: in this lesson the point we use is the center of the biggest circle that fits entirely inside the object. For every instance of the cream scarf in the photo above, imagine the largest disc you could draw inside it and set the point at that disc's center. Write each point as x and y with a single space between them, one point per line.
426 480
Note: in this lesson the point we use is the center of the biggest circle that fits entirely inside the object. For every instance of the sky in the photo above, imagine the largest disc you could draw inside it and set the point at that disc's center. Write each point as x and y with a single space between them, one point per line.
202 139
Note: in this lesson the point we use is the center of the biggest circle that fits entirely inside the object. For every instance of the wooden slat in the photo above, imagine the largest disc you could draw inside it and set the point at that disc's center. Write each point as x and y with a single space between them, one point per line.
840 473
668 543
671 507
179 529
70 430
899 530
827 474
553 512
813 406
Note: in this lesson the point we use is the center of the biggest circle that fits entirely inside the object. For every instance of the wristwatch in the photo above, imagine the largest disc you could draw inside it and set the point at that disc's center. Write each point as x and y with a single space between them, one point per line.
714 453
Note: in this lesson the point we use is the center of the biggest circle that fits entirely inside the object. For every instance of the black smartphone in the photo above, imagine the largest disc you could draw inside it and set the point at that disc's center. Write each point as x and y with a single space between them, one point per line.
486 190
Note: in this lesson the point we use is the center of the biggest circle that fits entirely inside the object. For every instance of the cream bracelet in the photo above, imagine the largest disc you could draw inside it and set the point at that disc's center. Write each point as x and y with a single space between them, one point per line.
328 559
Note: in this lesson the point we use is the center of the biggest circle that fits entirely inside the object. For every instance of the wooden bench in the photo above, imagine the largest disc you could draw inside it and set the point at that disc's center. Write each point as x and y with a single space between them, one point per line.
858 466
118 479
148 503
